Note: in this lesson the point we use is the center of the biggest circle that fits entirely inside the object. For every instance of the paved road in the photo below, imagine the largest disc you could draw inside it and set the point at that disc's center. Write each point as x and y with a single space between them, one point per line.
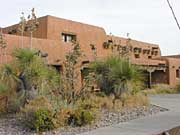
148 125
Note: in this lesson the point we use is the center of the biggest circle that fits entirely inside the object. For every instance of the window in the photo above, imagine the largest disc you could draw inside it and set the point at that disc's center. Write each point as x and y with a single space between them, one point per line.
177 73
58 68
85 62
149 57
84 74
68 37
137 56
110 41
13 31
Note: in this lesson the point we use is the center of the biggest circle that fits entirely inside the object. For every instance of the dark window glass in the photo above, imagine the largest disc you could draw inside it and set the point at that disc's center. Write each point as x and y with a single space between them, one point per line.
177 73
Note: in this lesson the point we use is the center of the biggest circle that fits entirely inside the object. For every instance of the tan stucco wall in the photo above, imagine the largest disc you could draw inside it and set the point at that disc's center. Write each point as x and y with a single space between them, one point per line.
173 65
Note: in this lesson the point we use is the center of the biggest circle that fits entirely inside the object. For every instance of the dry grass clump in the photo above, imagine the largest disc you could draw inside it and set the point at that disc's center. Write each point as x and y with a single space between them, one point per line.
61 117
129 100
137 100
102 101
8 98
161 89
3 104
177 87
37 103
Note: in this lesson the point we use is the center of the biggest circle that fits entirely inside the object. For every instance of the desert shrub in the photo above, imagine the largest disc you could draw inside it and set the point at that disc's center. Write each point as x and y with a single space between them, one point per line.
40 120
61 117
37 114
80 117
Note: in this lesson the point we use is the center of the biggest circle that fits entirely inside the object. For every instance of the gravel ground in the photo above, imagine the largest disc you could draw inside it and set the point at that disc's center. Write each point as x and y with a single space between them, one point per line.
9 125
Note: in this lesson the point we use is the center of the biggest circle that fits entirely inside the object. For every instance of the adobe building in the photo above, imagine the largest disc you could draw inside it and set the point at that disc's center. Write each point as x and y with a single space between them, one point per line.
54 36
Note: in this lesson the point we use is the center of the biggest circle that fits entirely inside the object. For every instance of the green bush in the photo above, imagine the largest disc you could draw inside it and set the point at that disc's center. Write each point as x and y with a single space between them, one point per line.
38 114
80 117
41 120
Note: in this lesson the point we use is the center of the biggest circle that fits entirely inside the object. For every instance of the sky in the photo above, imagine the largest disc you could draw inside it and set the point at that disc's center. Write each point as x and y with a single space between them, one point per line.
145 20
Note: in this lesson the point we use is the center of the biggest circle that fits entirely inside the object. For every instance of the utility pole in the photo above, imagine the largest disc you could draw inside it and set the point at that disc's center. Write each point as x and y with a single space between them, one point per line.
175 18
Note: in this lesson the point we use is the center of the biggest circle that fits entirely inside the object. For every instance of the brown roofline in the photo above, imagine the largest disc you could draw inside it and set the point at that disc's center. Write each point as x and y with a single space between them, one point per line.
152 44
46 16
74 21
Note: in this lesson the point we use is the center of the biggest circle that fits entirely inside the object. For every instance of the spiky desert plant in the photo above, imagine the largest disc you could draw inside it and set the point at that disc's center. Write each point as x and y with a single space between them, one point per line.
27 75
113 74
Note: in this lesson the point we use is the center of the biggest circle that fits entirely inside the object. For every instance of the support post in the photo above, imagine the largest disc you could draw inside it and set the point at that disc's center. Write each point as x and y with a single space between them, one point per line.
150 79
150 70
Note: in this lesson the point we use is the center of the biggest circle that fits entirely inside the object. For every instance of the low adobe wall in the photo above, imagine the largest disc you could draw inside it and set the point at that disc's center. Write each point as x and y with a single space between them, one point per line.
173 67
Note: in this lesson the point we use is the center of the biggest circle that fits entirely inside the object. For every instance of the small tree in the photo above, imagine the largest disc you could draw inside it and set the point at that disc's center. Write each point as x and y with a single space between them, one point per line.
69 89
21 27
3 45
32 24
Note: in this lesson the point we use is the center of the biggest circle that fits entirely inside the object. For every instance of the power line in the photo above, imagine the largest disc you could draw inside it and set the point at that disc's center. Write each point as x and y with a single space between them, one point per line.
173 14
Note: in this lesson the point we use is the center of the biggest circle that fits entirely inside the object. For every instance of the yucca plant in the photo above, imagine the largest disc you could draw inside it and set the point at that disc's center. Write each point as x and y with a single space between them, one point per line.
113 74
27 75
24 55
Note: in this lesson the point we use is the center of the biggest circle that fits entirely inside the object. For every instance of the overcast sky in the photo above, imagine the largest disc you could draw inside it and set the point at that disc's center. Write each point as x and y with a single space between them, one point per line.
145 20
